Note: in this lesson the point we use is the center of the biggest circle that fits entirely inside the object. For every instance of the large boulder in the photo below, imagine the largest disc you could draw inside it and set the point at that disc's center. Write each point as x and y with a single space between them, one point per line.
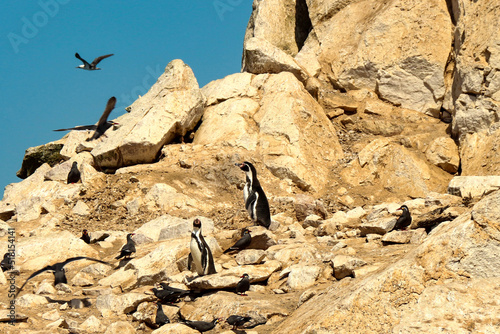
361 45
286 128
170 109
476 80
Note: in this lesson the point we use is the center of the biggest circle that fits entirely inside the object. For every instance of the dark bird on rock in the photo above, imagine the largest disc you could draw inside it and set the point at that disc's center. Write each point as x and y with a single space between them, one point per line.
58 270
170 295
255 199
128 248
404 220
237 321
243 243
85 236
200 326
6 263
74 174
200 255
161 318
102 125
243 285
93 65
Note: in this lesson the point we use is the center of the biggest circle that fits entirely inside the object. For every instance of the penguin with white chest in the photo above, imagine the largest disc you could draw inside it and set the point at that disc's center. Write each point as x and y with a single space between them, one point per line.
255 199
200 255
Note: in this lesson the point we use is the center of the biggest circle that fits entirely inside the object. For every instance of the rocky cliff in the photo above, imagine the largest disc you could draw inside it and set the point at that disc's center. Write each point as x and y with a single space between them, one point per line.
348 109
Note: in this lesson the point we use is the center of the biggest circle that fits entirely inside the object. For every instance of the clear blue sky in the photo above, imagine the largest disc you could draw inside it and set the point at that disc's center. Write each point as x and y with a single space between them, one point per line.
41 90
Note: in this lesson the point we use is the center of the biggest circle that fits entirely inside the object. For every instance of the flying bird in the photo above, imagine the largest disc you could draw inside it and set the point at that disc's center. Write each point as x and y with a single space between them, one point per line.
404 220
101 126
74 174
243 243
58 270
237 321
243 285
85 237
128 248
200 254
92 66
255 199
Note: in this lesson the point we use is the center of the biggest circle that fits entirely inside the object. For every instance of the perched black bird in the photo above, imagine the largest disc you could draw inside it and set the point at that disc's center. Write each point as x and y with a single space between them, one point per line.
243 285
161 318
6 263
102 125
58 270
85 236
242 243
200 255
255 199
404 220
167 287
74 173
200 326
169 296
237 320
92 66
128 248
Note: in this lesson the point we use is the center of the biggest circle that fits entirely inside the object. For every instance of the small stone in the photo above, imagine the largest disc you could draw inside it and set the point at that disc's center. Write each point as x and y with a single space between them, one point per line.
51 315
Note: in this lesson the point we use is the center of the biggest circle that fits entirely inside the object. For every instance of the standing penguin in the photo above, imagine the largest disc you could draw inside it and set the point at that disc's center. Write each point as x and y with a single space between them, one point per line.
255 199
404 220
74 173
200 254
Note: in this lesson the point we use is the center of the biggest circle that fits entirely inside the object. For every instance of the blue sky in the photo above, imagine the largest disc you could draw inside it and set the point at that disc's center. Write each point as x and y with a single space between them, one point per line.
41 90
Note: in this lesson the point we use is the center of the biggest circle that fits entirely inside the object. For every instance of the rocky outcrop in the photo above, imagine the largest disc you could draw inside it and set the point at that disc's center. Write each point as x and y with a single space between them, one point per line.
453 250
476 80
171 108
285 127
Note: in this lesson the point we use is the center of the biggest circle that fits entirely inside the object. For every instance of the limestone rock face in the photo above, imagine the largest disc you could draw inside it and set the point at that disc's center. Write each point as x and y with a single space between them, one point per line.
36 156
476 80
479 152
361 45
443 152
172 107
465 247
287 128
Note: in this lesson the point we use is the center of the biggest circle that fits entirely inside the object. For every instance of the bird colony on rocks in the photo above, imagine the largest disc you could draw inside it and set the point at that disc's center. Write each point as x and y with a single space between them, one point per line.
345 181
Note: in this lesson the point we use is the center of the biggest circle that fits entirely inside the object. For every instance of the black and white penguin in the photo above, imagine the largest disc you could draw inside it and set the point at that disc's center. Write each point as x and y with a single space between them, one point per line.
93 65
255 199
404 220
128 248
243 285
200 255
74 173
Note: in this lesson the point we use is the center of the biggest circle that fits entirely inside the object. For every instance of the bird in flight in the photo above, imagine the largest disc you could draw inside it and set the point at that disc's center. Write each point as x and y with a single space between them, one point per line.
93 65
101 126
